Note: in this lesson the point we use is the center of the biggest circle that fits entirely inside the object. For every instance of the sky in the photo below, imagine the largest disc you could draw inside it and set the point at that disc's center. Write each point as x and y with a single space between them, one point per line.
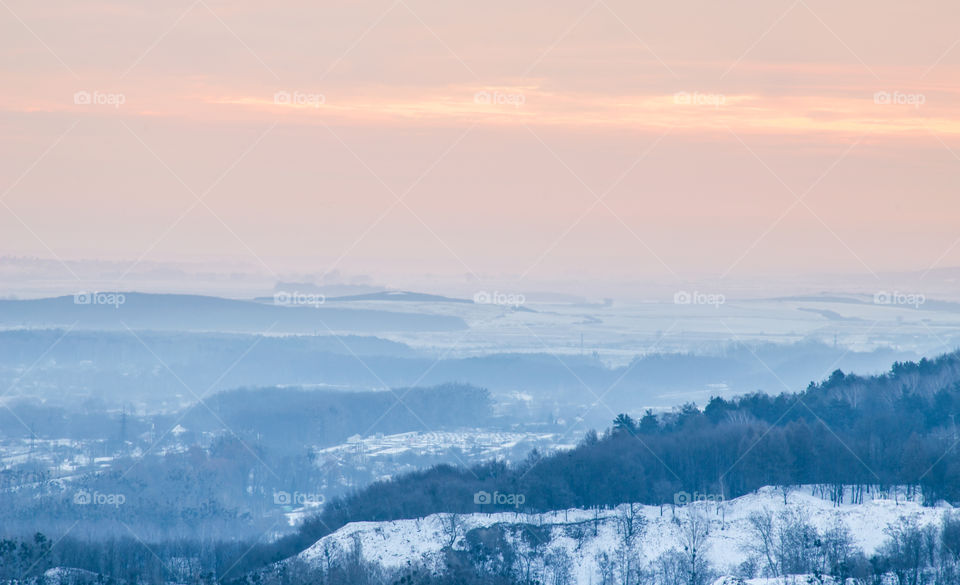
536 143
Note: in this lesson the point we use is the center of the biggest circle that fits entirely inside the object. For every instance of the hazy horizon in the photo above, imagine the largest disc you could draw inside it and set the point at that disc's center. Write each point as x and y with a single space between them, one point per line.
439 293
537 147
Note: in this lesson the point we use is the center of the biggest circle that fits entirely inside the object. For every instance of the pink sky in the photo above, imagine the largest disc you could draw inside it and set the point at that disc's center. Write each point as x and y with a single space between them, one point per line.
539 141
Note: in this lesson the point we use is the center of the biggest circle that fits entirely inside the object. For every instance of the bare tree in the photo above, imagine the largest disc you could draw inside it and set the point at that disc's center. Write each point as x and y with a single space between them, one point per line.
607 568
694 530
451 526
558 567
761 543
631 525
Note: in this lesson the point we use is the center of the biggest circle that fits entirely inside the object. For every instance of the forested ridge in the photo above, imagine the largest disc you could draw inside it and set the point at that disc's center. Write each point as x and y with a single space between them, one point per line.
871 432
898 428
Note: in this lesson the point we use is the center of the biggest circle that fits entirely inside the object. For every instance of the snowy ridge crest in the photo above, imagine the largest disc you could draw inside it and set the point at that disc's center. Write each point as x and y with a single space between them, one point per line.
588 543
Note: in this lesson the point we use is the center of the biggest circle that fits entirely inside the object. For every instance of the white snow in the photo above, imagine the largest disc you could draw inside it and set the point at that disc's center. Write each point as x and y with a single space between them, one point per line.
396 544
474 444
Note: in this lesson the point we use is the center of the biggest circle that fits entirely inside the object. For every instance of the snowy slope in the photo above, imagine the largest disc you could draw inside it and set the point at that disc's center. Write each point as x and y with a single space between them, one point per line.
397 543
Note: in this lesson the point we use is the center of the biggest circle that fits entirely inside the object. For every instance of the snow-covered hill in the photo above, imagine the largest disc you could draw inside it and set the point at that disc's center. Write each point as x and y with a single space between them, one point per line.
585 535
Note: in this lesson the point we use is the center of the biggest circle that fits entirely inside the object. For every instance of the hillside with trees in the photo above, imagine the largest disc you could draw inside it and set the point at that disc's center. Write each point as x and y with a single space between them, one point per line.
869 432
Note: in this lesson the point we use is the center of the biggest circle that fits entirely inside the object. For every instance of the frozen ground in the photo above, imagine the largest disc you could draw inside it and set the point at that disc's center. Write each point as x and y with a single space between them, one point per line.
477 445
585 534
618 332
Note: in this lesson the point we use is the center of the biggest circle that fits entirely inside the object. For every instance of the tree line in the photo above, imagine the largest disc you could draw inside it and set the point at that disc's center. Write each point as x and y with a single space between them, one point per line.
869 432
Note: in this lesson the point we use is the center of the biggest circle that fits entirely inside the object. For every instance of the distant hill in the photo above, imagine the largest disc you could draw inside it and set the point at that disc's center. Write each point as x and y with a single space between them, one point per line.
121 367
821 436
400 295
922 379
297 416
380 295
171 312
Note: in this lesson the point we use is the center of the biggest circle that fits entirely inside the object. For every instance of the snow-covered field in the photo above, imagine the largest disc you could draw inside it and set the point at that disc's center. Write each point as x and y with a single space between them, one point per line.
476 444
585 534
623 330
